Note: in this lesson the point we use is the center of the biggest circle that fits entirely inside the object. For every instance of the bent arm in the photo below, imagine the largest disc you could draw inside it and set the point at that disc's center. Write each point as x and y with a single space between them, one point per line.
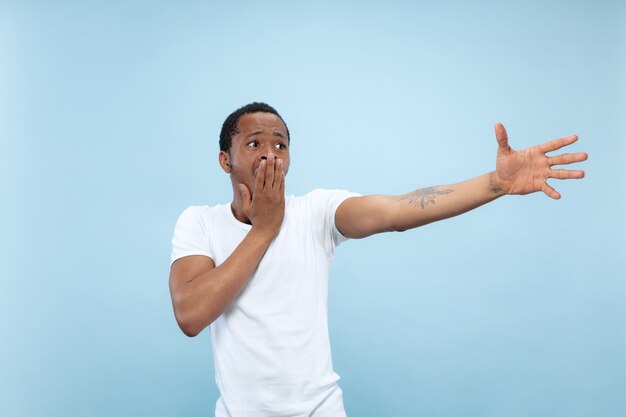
359 217
201 292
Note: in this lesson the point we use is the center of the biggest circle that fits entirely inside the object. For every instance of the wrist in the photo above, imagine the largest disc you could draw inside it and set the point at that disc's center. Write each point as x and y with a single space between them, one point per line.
264 232
496 185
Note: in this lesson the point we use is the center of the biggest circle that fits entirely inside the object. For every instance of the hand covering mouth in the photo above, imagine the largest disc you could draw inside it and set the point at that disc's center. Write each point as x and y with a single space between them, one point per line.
255 170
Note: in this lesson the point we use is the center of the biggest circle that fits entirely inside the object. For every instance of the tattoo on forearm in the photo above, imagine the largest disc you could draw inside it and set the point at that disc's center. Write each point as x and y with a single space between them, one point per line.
424 196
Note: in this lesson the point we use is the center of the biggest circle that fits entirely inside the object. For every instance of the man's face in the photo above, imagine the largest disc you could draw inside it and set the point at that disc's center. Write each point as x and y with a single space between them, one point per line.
259 134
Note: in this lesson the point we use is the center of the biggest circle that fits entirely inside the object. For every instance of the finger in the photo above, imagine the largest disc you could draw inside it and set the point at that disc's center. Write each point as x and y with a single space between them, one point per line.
277 170
269 172
550 192
260 175
566 174
555 144
279 176
282 185
245 197
567 158
502 137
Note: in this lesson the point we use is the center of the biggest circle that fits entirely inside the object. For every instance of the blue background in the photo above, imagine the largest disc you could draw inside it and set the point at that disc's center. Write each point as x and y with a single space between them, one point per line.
109 119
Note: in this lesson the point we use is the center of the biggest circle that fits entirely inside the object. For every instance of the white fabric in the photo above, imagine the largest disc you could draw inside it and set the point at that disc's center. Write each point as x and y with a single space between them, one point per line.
271 346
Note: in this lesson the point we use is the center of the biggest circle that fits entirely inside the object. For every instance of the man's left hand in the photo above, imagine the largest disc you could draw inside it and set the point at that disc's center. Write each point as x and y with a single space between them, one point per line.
527 171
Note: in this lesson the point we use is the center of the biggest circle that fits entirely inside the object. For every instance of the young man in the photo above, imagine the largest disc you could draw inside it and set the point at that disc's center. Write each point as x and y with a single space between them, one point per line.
256 269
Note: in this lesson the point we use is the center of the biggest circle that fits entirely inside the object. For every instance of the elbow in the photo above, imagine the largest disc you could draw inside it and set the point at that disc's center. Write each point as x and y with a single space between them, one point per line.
188 330
190 326
192 323
405 227
395 222
399 221
186 319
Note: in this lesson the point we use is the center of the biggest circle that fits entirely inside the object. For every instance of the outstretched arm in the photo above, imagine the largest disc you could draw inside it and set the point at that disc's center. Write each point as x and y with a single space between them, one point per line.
517 172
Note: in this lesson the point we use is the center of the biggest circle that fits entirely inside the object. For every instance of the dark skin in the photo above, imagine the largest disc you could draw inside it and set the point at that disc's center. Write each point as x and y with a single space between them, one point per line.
257 164
261 138
517 172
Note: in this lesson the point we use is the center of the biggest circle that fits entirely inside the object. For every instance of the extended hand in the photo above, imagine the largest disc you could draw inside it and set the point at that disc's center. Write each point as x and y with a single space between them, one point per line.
526 171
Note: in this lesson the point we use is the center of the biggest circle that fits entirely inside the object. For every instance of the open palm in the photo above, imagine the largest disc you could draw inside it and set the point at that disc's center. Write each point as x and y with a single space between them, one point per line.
526 171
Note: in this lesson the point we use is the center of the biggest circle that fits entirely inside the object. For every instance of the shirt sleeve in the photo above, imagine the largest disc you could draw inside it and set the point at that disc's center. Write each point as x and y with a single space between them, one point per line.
327 202
191 234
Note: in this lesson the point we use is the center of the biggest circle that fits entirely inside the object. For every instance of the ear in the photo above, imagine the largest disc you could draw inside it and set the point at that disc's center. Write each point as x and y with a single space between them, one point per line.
224 158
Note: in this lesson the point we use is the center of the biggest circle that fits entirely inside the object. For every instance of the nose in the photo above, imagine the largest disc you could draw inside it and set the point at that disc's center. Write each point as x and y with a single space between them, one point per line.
265 153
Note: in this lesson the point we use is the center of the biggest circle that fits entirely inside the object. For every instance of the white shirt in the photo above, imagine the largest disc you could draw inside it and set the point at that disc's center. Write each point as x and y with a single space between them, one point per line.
271 346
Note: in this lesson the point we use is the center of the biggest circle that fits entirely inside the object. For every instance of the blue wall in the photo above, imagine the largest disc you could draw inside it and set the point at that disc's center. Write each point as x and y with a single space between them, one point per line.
109 117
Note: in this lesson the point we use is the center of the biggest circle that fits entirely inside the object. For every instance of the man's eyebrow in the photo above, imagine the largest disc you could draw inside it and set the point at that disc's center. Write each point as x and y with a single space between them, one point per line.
259 132
256 132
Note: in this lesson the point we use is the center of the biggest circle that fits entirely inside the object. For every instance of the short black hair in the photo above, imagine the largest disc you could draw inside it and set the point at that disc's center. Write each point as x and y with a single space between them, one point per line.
229 128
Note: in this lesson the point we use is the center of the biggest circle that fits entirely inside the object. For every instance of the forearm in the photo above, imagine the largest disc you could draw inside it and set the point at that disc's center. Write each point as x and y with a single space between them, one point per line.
204 297
364 216
427 205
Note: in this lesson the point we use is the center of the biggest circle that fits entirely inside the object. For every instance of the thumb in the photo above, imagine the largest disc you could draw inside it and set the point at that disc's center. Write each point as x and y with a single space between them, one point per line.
502 137
246 199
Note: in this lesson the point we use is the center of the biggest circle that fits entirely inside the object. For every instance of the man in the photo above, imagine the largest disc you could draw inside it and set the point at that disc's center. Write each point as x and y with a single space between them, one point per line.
256 269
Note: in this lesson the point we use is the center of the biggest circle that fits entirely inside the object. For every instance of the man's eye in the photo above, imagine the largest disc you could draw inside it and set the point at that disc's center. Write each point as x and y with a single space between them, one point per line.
280 146
253 144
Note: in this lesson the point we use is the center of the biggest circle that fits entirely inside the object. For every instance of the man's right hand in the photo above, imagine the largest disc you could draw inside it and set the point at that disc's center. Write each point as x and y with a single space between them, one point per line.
265 206
201 291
